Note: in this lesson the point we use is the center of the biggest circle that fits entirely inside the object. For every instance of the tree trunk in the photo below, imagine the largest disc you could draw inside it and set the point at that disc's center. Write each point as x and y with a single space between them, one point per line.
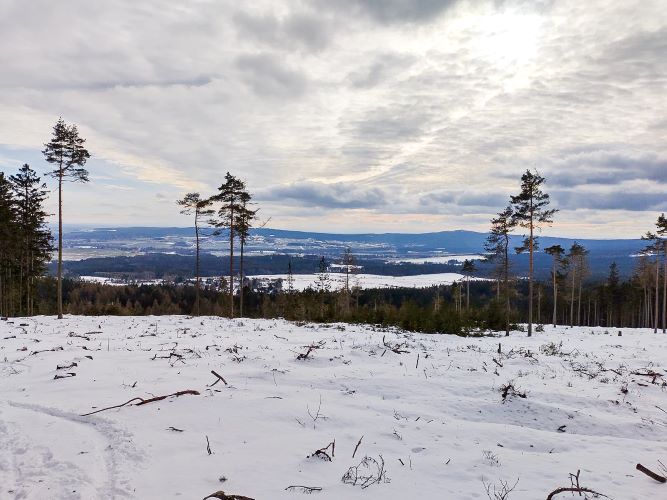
664 291
197 277
657 293
530 280
555 292
242 281
579 302
231 261
507 288
574 271
60 243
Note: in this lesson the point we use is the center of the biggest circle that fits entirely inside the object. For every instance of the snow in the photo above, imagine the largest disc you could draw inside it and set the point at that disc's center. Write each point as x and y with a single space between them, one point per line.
437 259
337 280
103 280
434 413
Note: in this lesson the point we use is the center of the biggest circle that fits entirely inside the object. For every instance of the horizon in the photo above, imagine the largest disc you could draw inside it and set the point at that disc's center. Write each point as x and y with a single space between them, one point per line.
68 228
352 116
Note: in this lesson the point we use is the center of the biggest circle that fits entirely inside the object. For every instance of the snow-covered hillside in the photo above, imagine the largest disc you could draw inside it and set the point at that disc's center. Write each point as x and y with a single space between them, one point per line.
336 281
429 407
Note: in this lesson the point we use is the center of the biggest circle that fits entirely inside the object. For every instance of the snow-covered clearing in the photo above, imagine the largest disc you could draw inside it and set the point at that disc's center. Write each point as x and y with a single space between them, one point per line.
434 413
337 280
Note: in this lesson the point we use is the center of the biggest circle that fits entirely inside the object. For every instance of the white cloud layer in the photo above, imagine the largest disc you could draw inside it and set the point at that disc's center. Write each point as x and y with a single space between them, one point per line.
369 115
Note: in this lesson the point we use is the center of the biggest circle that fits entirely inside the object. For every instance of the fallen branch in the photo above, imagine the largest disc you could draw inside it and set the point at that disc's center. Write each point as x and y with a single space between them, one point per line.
323 452
46 350
310 348
221 495
143 401
396 348
66 367
575 490
304 489
651 474
67 375
220 377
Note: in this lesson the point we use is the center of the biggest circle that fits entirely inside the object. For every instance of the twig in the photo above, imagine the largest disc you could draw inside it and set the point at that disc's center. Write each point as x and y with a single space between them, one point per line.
220 377
357 447
208 446
304 489
143 401
574 490
323 452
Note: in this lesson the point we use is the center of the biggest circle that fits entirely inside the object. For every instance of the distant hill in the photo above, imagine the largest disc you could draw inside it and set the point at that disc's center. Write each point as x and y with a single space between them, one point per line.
176 245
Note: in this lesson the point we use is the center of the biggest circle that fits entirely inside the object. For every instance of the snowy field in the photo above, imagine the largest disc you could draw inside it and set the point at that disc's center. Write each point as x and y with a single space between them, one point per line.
428 407
437 259
337 280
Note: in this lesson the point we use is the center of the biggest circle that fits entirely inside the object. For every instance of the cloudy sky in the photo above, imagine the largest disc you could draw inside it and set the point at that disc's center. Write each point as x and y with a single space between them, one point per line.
347 115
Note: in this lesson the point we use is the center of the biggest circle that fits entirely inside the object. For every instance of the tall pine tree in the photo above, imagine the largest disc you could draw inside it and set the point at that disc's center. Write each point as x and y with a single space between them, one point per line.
34 237
230 203
557 252
497 245
66 152
531 212
246 216
200 210
8 245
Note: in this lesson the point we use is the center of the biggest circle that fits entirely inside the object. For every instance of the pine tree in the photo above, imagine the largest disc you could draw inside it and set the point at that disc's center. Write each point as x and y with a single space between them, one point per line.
531 212
34 237
193 204
229 196
348 264
612 293
497 244
245 217
8 245
67 153
656 246
290 278
576 261
662 232
556 252
468 268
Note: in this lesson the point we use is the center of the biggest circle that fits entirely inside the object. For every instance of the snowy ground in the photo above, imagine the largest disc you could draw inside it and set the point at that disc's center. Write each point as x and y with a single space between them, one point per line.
337 280
434 413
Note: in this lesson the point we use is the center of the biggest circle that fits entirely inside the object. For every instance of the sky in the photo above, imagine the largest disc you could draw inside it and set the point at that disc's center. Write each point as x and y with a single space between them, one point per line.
346 115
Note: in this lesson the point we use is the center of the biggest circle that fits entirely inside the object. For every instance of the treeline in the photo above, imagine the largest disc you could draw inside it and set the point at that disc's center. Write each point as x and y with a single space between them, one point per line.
25 240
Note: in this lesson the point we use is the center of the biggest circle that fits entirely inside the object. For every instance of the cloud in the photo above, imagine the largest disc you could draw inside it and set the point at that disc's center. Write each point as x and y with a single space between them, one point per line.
269 78
384 67
618 199
337 195
407 110
593 166
391 11
299 30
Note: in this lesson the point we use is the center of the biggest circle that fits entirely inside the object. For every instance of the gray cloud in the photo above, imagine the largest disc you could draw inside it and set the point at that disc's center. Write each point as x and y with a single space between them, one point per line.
605 166
339 195
618 199
468 198
384 66
391 11
300 30
267 76
414 110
